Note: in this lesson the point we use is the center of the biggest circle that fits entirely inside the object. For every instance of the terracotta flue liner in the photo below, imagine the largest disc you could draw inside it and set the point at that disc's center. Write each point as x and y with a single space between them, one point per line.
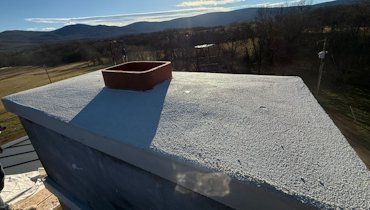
137 75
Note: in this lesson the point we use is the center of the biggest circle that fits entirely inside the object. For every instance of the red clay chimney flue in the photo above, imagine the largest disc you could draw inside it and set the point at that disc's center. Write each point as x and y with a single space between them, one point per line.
137 75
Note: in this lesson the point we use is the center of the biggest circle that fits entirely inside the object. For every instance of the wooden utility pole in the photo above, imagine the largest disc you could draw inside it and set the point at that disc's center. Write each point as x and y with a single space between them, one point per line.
112 51
322 63
47 73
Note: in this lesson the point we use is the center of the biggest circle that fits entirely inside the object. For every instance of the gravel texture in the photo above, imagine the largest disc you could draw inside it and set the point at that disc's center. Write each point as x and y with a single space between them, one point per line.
265 129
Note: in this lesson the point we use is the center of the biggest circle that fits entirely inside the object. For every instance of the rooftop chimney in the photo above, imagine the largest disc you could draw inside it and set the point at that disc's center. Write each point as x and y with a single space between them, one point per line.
138 75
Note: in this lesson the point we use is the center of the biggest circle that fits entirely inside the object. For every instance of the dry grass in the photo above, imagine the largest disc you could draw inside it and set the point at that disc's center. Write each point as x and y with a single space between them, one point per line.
16 79
355 126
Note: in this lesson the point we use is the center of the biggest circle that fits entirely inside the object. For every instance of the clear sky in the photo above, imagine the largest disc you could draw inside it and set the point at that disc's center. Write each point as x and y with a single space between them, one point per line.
44 15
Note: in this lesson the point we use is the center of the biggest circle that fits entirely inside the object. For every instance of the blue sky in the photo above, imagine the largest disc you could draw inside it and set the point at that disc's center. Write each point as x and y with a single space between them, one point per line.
46 15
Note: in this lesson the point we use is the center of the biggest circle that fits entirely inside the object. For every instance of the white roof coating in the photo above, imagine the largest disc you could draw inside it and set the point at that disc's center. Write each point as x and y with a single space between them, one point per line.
266 129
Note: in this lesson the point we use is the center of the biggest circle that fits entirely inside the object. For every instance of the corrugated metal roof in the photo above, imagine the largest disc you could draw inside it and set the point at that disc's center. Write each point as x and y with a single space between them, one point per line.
19 156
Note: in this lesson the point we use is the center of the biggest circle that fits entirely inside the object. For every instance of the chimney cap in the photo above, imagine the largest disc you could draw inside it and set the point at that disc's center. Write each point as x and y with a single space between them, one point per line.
137 75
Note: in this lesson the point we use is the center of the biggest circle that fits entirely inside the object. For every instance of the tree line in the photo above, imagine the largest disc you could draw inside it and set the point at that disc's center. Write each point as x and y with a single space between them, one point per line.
282 41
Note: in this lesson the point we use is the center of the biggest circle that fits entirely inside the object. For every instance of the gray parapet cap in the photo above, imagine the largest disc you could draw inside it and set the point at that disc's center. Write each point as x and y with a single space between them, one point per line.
242 140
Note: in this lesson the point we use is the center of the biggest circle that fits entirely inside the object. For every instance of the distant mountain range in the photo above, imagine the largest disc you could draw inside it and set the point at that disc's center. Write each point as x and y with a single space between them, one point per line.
10 40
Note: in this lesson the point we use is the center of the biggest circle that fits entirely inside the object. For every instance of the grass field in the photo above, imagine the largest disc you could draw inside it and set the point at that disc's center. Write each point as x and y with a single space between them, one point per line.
355 124
15 79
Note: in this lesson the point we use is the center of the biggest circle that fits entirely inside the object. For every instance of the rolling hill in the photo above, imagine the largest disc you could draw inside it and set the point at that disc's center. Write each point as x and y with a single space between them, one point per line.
10 40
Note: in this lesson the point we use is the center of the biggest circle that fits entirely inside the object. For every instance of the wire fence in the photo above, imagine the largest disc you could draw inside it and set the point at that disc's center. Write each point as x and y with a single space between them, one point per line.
4 122
10 125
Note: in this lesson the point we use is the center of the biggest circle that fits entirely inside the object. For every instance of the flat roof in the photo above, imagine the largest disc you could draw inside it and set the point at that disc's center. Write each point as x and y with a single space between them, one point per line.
267 130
